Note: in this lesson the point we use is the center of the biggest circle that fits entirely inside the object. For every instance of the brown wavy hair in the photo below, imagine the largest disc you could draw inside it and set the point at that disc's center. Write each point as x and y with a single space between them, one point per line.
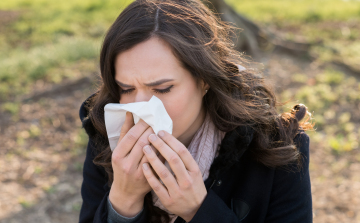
201 41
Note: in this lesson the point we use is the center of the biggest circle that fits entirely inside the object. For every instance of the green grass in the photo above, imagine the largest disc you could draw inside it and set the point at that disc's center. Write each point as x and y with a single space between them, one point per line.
301 11
332 99
48 38
335 22
20 68
43 20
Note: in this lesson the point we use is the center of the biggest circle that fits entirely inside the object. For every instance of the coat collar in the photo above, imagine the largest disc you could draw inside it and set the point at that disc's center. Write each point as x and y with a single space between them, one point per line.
240 137
233 146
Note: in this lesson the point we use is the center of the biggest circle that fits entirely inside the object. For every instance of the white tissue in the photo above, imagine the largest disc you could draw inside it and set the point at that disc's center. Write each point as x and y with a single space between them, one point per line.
152 112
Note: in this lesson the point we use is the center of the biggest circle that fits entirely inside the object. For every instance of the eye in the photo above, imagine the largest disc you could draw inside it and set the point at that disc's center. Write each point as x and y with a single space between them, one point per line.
126 91
162 91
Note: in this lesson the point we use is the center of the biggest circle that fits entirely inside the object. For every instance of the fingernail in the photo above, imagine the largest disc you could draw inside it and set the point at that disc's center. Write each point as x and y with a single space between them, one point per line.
145 166
161 133
152 137
147 149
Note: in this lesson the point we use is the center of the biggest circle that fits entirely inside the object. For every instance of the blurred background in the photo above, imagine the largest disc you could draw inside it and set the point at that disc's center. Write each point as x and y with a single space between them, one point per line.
309 51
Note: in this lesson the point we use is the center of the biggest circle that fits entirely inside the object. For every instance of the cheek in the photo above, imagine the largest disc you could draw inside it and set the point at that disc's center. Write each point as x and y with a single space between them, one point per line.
183 110
177 112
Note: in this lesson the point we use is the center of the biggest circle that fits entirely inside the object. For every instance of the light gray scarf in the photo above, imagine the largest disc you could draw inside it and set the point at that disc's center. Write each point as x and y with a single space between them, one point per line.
204 148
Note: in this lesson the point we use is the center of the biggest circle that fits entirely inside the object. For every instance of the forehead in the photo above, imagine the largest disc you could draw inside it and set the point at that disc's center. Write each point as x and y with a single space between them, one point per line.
149 59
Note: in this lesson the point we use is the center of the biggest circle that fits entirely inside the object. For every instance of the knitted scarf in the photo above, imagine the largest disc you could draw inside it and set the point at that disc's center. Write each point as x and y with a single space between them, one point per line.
203 148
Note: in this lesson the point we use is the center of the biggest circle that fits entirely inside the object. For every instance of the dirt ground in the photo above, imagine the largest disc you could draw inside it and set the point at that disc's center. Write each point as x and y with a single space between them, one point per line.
43 152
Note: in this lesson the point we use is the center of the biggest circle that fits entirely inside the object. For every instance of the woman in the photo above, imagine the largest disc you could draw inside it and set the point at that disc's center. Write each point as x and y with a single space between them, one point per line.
234 158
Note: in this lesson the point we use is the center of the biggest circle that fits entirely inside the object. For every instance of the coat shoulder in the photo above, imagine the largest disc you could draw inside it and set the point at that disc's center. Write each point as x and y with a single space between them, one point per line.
302 142
84 116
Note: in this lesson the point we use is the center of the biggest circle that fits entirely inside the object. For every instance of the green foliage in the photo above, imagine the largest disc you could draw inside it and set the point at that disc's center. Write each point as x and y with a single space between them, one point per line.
330 77
47 37
50 189
22 68
38 170
81 139
34 131
334 22
24 203
318 96
76 206
11 107
44 21
341 50
300 78
332 98
301 11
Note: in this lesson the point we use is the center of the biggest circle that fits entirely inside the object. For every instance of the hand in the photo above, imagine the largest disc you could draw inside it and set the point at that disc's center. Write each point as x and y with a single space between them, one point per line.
184 193
130 186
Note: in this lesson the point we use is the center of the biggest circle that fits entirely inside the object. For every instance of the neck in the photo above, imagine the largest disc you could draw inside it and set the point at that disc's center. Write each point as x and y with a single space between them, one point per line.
189 134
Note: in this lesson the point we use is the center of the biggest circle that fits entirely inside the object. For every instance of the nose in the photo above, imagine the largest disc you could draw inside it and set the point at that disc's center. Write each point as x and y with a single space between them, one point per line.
142 96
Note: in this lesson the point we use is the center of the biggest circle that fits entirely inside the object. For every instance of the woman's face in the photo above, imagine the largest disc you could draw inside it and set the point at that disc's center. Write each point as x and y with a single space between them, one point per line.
152 61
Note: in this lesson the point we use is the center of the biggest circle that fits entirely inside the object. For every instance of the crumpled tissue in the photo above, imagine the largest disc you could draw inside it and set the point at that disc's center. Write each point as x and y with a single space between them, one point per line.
152 112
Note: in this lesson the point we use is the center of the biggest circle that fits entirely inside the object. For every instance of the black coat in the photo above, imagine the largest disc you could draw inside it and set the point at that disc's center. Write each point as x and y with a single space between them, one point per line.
246 192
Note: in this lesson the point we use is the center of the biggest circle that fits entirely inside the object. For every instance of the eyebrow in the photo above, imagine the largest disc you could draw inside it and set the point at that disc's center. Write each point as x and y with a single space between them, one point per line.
155 83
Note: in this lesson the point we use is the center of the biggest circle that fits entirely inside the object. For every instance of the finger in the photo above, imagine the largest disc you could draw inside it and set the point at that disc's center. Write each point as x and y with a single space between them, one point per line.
181 150
162 171
130 138
145 160
174 160
154 183
136 152
158 154
129 122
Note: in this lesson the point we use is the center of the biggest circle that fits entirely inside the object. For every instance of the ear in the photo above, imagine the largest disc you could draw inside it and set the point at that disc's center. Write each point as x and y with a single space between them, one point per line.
204 86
